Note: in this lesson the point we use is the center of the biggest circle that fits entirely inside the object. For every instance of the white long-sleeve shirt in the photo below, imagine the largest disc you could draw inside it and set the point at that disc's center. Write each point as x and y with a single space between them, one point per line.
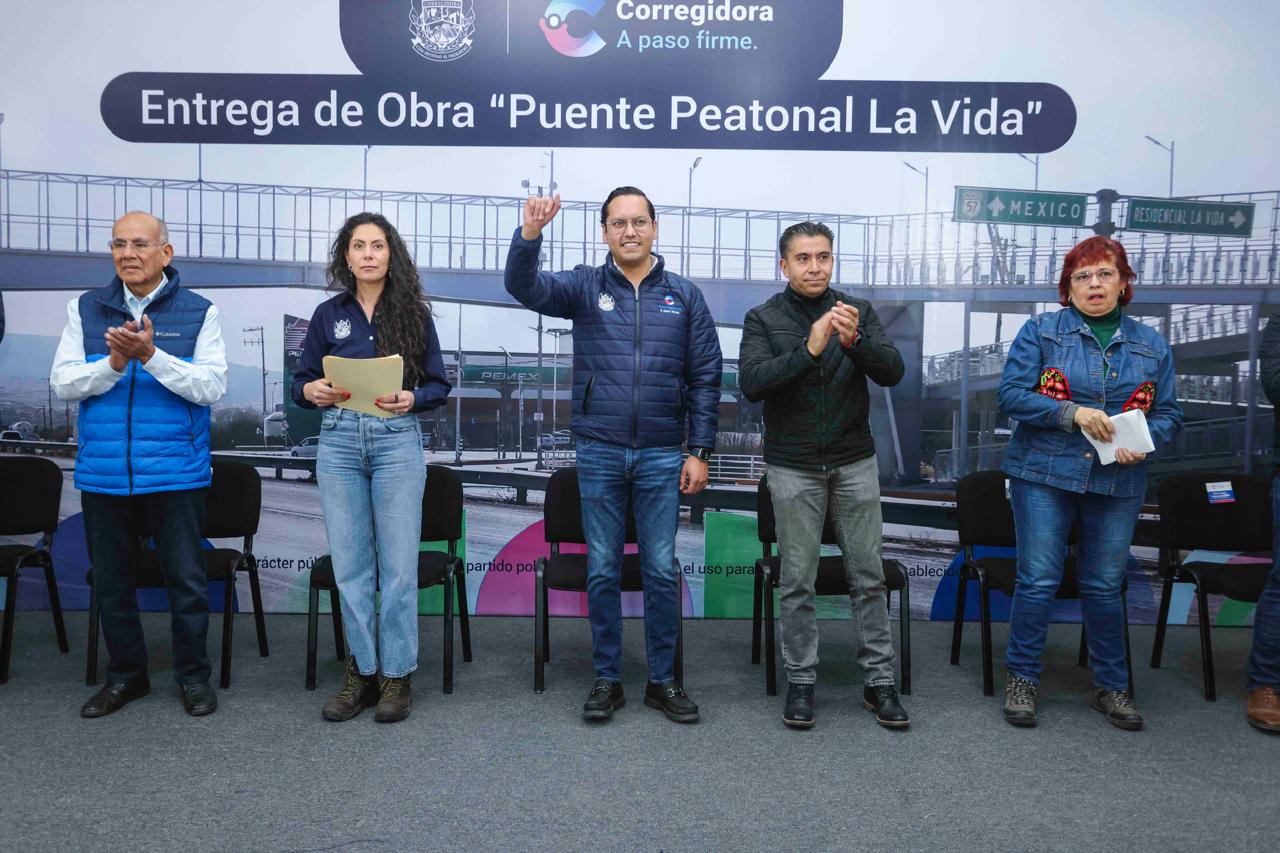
202 381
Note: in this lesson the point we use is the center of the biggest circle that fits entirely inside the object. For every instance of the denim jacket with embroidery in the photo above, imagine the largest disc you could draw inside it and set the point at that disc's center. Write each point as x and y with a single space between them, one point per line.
1054 367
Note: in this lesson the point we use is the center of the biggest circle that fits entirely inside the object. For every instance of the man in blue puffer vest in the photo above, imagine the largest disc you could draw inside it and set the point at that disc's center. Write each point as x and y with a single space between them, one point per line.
646 378
144 357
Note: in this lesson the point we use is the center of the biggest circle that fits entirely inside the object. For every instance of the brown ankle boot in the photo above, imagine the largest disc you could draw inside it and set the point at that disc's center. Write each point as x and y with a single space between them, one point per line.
358 692
1263 710
393 706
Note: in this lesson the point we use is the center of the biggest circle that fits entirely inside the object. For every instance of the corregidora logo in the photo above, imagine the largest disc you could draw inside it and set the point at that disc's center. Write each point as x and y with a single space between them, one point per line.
697 14
442 30
555 26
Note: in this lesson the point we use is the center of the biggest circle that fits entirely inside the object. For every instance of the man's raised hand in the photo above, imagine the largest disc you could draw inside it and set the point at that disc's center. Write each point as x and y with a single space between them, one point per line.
538 211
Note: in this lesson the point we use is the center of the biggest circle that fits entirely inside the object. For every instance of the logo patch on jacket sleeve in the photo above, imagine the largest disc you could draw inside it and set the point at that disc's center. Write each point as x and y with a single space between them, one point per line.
1141 398
1053 384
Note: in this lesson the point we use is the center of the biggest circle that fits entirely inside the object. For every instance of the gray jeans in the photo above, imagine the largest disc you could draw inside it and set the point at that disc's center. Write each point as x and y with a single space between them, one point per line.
800 502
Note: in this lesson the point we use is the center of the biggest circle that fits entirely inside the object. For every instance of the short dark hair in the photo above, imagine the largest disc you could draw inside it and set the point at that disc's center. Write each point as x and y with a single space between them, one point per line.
804 229
1096 250
604 208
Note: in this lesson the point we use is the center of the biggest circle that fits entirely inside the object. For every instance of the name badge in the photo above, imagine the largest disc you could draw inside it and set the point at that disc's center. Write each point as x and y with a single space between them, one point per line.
1220 493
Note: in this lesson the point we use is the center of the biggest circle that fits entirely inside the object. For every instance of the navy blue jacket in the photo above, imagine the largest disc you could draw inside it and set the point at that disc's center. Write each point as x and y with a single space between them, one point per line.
1054 367
140 437
339 327
646 363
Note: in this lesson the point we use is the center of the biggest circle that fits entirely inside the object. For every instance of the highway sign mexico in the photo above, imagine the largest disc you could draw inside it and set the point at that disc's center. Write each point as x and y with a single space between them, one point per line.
1019 207
1175 216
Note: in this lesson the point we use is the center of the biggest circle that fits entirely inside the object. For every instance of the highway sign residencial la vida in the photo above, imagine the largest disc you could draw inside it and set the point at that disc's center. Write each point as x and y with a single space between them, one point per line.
1019 207
1176 216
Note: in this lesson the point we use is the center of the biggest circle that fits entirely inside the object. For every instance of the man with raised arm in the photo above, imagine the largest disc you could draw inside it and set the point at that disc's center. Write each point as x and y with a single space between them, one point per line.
646 380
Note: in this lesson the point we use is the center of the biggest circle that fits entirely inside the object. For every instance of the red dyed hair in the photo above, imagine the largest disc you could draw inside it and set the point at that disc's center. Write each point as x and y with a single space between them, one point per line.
1096 250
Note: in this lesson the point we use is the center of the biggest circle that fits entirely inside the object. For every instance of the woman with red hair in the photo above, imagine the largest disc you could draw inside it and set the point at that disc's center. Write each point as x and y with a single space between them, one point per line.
1068 373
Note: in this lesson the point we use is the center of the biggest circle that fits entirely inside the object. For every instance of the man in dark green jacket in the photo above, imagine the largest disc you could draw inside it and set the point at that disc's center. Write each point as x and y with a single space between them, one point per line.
807 353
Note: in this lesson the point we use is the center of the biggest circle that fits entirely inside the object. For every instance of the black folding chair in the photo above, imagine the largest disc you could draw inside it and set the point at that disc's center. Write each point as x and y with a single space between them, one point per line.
831 580
441 521
30 493
562 522
1189 521
232 506
985 518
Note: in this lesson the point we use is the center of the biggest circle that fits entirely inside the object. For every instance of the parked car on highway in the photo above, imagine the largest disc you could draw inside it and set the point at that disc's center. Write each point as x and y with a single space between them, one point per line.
561 438
307 448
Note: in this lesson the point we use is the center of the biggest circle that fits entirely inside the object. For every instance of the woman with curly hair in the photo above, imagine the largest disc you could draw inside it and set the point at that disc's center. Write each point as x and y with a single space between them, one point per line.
370 468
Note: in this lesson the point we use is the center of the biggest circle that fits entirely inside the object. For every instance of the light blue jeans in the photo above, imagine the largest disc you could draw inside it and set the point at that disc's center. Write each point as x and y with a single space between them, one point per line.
371 473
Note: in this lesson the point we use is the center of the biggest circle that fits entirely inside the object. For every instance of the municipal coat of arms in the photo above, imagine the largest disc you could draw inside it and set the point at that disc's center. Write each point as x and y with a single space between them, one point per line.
442 30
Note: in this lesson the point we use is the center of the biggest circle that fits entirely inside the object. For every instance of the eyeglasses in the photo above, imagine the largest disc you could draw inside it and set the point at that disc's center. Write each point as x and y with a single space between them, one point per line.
1106 275
640 223
139 245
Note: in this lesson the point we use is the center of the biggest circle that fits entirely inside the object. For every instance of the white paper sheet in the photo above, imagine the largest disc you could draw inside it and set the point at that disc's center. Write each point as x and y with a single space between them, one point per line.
1131 434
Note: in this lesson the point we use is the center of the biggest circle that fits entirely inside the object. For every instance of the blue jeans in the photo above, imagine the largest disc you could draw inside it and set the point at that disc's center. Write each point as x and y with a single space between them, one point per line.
371 473
610 475
1042 516
175 519
1264 661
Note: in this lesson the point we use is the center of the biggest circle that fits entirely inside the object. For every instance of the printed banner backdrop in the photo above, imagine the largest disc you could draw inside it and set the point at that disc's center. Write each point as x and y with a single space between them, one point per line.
957 149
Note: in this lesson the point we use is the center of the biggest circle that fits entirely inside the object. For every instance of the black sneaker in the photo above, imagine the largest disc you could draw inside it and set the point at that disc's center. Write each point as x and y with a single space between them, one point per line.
1020 701
605 698
1118 706
670 699
882 700
798 712
358 692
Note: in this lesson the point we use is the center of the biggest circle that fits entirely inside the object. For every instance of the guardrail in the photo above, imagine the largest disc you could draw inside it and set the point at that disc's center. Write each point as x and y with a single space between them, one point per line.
62 211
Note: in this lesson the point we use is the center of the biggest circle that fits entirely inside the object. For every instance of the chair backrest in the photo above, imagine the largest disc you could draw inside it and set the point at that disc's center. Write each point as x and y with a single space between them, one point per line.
766 523
562 510
442 505
30 494
983 513
1189 520
234 501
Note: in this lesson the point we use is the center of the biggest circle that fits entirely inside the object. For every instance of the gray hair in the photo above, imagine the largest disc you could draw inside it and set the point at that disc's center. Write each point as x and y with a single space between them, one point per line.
164 229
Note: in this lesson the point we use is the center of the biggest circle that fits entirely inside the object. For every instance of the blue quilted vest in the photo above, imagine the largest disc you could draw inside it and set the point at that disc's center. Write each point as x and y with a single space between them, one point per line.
140 437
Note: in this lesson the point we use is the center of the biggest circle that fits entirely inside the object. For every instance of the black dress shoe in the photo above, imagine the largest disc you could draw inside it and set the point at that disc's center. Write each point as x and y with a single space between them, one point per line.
883 701
605 698
670 699
798 712
113 697
199 698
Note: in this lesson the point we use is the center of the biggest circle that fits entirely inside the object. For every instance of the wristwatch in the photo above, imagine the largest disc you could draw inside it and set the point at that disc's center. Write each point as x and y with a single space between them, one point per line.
702 453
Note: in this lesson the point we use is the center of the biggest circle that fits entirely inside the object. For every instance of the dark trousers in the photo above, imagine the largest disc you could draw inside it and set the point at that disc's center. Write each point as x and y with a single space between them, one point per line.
175 519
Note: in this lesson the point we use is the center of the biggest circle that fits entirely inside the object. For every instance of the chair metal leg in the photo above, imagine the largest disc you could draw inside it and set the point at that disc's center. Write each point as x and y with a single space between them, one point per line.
988 679
55 606
91 652
6 636
339 639
1157 648
546 623
460 582
770 652
1083 657
539 616
313 620
1206 645
229 589
957 627
904 629
259 618
448 631
756 604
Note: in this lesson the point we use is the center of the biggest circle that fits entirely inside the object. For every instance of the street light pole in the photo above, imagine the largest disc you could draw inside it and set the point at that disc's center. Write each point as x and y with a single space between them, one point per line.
1036 163
260 343
364 193
1170 147
2 210
925 173
688 212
